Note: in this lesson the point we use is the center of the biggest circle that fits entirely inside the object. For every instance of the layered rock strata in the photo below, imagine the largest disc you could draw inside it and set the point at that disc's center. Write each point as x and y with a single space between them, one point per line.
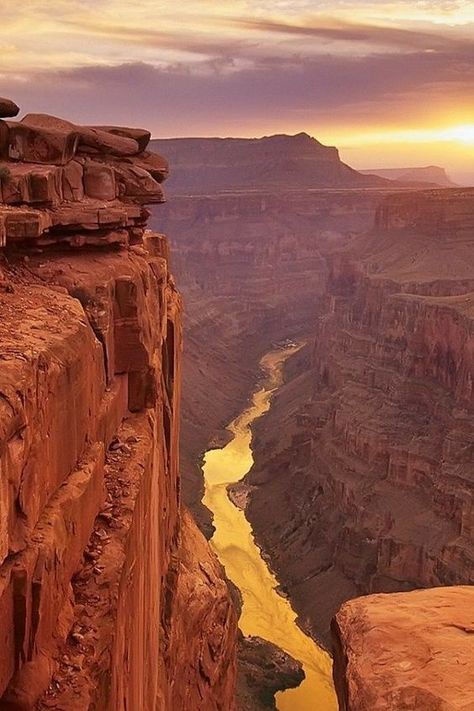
110 597
367 449
252 270
406 651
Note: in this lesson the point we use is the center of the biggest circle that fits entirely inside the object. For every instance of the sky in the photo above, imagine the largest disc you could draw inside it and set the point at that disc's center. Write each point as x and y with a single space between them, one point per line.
390 82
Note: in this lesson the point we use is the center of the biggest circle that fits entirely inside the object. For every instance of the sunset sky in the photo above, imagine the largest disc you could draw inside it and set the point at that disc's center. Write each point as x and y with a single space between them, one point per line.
391 83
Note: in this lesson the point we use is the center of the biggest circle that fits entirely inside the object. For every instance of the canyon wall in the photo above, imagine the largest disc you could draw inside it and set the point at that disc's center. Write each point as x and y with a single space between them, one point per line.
111 598
252 271
366 453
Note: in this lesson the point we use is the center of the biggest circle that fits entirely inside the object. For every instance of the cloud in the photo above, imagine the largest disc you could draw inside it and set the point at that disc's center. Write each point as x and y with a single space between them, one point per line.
369 34
270 94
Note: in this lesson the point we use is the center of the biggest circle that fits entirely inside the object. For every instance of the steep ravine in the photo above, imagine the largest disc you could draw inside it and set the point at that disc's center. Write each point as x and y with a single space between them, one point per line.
366 453
251 270
264 612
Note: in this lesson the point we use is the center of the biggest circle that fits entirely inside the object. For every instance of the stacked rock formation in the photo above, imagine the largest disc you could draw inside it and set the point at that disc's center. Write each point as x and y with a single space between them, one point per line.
109 595
78 185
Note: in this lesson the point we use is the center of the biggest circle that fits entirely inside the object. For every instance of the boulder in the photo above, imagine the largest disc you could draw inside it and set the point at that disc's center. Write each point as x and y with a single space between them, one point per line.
155 164
90 140
73 187
22 224
140 135
54 142
99 181
8 108
137 184
29 183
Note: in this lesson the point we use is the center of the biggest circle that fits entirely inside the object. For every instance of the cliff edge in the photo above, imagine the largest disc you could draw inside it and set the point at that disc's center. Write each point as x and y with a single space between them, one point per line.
110 596
406 651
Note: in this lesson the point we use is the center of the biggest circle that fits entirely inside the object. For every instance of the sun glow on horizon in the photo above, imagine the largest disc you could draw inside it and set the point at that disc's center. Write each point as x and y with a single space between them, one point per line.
459 134
462 134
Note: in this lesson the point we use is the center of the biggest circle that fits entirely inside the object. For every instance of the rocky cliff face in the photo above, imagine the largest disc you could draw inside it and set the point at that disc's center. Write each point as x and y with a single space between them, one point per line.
110 596
374 431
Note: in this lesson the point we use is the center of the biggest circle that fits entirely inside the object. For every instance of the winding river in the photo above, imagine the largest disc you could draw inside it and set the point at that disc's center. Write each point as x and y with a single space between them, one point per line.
264 612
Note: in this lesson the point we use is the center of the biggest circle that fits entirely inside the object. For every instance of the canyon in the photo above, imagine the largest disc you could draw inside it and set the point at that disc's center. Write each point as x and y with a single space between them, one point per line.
374 428
251 269
361 484
361 478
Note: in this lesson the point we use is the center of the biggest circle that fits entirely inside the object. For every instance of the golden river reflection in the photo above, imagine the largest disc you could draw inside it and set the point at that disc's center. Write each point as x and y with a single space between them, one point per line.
264 612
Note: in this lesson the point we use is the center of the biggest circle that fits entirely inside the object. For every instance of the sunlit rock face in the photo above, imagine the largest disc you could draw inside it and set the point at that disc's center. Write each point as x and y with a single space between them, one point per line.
110 597
405 651
366 453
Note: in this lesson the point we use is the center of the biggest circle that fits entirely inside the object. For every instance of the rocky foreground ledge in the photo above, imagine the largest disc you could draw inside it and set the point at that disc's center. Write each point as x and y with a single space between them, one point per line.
406 651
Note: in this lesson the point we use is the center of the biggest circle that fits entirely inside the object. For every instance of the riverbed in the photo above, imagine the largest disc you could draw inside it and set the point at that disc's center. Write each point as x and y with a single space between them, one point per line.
265 613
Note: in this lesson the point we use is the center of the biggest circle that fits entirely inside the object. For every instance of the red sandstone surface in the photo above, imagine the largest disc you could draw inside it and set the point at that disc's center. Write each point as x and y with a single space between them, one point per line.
406 651
110 598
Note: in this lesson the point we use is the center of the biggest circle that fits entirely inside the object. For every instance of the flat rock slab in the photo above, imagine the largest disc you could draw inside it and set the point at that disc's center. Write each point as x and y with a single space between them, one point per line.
8 108
406 651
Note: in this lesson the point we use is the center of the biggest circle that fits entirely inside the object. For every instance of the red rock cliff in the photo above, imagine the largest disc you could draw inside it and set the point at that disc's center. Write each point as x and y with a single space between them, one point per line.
375 433
110 597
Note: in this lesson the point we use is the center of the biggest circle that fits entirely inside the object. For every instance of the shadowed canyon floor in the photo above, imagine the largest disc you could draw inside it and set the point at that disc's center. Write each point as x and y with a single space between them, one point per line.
264 612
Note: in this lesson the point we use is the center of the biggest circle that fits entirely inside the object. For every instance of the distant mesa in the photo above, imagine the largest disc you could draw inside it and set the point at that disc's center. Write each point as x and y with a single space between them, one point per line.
431 175
203 165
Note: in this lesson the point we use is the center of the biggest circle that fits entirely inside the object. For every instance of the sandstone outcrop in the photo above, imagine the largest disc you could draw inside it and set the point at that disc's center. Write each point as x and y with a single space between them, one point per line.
110 598
374 431
406 651
264 670
69 184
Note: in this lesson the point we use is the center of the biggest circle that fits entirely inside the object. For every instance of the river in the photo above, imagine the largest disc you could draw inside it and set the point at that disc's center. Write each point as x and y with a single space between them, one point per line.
265 613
